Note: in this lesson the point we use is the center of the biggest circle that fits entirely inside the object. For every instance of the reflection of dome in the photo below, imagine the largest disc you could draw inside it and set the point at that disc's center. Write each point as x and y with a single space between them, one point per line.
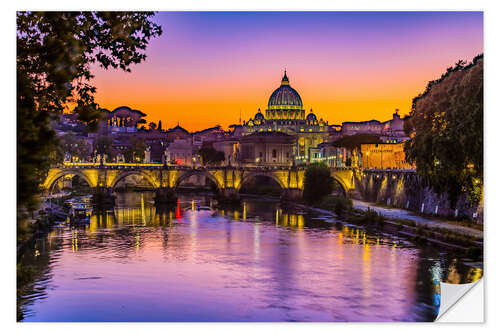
285 97
311 118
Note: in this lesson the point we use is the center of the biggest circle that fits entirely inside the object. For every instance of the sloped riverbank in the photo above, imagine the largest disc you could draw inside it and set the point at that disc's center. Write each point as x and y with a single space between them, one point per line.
422 231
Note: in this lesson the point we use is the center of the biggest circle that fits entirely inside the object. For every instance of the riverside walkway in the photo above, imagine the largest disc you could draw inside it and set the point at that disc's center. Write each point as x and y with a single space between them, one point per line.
398 213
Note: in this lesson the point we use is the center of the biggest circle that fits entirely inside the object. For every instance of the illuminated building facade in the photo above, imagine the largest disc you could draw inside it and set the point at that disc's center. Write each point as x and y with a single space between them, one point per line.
285 114
384 156
230 146
390 131
267 148
179 152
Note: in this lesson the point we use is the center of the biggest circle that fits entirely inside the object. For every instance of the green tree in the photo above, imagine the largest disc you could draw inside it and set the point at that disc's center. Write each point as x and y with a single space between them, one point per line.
135 152
75 146
446 130
318 182
55 52
210 156
104 146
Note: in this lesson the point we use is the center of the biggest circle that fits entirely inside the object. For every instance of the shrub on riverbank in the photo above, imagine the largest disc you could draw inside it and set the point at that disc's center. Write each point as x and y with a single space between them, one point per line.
340 205
369 216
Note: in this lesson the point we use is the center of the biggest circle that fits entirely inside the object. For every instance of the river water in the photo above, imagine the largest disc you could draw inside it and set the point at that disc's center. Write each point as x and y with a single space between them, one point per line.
260 262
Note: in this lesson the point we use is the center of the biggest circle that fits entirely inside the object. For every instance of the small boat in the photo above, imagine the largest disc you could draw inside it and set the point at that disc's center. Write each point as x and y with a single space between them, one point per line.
79 214
205 209
201 210
58 223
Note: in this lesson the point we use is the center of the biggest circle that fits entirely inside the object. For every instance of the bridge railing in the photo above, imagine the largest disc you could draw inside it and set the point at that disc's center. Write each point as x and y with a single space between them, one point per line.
389 170
97 165
342 168
105 165
156 166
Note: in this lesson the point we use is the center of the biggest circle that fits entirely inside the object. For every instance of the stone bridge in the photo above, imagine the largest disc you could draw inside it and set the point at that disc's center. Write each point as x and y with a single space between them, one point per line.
103 178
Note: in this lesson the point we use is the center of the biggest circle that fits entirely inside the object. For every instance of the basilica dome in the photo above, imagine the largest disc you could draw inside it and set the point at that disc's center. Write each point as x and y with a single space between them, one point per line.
285 97
285 103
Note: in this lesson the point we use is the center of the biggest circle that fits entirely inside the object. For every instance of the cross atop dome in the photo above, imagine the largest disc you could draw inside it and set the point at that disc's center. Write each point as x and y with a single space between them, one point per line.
284 80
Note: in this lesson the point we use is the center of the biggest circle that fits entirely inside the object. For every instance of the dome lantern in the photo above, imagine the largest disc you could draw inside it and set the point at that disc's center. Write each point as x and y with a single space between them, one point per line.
284 80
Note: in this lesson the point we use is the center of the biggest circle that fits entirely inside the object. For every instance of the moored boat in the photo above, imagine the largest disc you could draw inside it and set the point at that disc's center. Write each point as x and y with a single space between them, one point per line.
79 214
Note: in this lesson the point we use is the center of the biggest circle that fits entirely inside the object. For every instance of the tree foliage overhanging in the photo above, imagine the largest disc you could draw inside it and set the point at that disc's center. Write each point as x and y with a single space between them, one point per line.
446 130
55 53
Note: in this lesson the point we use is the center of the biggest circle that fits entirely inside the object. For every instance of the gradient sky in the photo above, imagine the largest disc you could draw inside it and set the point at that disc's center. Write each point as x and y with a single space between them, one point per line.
347 66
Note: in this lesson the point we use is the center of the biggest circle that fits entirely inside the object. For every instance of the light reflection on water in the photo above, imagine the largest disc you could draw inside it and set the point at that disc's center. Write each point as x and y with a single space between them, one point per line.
256 263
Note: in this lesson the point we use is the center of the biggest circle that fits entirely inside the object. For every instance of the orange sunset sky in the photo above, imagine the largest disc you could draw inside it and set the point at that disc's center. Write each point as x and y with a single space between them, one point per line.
207 67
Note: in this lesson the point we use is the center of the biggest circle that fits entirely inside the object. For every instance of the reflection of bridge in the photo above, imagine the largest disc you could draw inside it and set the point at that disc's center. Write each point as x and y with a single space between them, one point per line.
227 179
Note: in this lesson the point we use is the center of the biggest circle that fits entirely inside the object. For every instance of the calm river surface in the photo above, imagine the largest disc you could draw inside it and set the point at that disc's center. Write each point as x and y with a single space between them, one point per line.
258 263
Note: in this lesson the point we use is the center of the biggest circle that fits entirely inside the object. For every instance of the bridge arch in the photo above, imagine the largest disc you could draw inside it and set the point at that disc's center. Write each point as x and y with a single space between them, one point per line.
56 174
341 179
252 175
186 174
151 179
341 185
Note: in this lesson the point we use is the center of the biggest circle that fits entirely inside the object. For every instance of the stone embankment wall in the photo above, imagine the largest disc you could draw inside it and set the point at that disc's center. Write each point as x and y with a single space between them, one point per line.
404 189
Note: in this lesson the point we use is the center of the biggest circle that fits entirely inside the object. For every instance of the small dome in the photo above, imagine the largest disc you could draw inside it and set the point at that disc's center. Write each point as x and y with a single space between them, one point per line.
311 117
259 116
